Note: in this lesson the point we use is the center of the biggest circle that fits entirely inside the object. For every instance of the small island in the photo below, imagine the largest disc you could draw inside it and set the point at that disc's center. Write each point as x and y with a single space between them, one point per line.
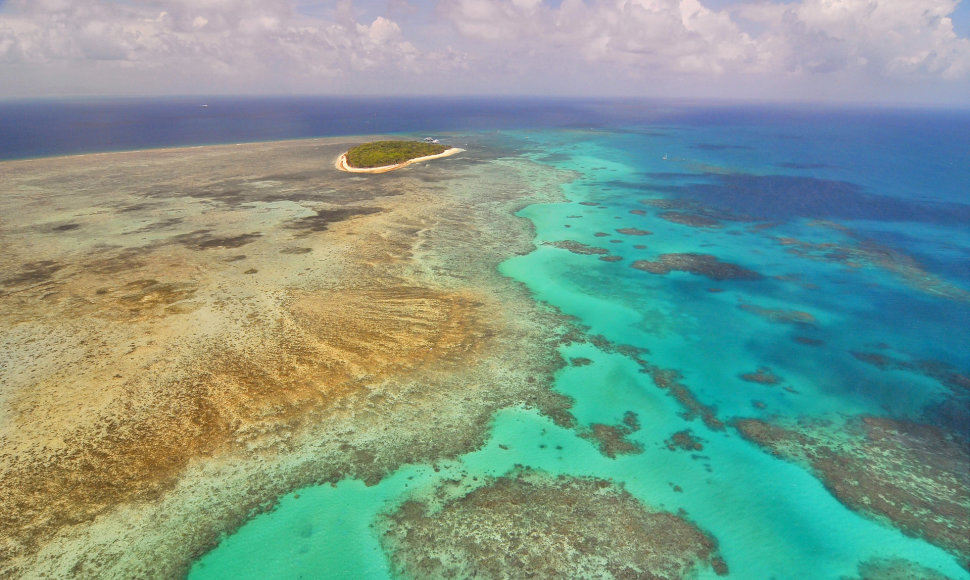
383 156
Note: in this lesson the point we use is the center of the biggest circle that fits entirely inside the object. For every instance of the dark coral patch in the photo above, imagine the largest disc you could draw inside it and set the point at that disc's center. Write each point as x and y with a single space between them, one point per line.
685 441
786 197
633 232
204 240
529 524
670 380
944 373
912 474
147 295
611 258
781 315
719 147
700 264
691 211
689 219
796 165
611 439
577 247
762 376
867 253
33 273
895 569
322 219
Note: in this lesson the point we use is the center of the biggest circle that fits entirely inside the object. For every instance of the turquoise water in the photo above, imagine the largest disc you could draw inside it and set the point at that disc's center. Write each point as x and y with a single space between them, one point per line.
878 208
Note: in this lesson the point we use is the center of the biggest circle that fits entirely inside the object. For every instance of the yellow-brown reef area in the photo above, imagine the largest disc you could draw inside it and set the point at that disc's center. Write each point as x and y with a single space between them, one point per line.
190 333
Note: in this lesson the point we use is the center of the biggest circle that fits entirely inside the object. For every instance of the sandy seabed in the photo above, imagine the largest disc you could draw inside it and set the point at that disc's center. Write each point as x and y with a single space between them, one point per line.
190 333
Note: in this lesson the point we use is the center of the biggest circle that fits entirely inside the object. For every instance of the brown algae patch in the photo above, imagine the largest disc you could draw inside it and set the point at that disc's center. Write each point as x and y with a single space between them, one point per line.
529 524
700 264
911 475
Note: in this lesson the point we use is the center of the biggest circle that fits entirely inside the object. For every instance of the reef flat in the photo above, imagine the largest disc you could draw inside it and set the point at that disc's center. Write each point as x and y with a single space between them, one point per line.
191 333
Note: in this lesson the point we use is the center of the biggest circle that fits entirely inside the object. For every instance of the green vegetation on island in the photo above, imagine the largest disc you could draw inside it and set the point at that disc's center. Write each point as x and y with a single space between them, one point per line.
381 153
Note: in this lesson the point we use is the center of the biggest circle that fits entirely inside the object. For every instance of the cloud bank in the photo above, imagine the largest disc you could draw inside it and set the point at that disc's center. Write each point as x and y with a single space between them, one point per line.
854 48
885 37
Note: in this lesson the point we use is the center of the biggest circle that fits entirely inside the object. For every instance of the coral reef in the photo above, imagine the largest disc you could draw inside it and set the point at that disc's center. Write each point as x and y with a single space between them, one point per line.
160 387
611 439
528 524
762 376
895 569
780 315
577 247
700 264
914 476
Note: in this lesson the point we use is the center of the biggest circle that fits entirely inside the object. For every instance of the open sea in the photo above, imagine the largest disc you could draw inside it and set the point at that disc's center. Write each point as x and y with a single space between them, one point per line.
779 295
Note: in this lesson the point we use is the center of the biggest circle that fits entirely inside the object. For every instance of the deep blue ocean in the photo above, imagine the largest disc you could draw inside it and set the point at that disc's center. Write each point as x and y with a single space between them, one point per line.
802 266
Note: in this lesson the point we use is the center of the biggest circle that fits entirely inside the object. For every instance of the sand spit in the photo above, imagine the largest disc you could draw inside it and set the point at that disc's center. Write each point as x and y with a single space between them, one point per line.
342 165
190 333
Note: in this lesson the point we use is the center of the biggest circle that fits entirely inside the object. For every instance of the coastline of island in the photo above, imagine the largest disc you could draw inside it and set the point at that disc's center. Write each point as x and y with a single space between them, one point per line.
342 165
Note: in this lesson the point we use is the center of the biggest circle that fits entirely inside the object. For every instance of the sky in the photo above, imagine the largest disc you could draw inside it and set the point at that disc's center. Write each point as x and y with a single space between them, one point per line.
885 51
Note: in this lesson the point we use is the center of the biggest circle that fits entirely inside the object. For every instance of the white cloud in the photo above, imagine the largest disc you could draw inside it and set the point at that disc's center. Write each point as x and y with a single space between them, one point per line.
235 41
792 48
892 38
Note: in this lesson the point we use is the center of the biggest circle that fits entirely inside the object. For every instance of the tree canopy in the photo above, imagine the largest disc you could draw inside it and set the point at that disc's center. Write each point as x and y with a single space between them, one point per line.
381 153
